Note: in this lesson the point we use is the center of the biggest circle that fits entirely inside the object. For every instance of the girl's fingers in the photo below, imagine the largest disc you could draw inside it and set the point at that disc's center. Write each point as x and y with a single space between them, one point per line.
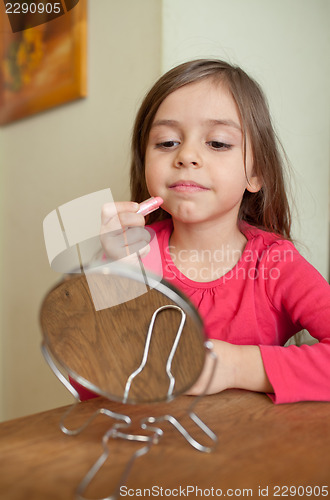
119 252
134 235
122 221
122 230
118 244
124 237
111 210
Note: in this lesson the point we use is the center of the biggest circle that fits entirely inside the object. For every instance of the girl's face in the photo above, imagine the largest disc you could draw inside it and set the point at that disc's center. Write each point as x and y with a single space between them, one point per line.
194 156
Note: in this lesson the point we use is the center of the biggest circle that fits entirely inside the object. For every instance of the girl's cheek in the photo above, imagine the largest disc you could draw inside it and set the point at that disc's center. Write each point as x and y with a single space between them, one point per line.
149 181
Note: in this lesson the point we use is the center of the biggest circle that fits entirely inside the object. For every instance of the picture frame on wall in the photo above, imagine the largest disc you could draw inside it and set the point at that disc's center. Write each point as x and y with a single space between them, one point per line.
43 60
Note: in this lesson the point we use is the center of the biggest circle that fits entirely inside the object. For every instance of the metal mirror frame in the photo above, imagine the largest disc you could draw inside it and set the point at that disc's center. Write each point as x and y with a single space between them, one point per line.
122 422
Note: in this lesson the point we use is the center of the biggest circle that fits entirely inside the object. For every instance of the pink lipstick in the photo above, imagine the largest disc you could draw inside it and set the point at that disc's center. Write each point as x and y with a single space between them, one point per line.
150 205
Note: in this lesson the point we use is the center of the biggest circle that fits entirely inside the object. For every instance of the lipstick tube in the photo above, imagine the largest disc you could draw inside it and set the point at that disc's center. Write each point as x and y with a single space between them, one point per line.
150 205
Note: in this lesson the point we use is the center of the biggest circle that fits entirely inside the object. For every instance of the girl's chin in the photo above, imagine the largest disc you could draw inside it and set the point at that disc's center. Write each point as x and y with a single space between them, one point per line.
187 218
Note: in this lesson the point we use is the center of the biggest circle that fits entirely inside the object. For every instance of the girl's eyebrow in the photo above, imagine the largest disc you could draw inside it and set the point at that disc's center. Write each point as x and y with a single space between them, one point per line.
211 121
226 123
168 123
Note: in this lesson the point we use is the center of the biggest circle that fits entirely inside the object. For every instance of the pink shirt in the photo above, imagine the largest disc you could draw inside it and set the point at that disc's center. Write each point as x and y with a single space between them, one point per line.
271 294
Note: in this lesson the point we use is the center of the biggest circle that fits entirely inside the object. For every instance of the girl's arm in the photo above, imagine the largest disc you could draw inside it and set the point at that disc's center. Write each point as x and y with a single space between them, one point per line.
302 294
238 366
287 373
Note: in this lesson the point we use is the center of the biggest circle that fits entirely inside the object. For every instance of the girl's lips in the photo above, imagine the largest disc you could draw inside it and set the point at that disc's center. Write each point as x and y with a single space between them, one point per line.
187 186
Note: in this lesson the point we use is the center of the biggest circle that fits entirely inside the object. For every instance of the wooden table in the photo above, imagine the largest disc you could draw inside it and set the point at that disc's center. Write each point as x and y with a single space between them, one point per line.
263 449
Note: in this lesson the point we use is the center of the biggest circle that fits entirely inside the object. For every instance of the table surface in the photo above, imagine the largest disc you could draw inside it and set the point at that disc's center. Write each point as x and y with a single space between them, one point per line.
263 450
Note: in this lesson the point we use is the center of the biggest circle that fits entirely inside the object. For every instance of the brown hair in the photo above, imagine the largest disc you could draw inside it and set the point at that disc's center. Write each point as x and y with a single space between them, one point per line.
269 207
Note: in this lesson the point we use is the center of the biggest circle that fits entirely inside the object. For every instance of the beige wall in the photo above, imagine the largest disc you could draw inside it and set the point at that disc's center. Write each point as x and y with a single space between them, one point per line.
285 45
54 157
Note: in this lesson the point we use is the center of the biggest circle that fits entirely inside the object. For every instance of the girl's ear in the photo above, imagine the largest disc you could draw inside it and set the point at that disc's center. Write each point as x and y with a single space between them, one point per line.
254 184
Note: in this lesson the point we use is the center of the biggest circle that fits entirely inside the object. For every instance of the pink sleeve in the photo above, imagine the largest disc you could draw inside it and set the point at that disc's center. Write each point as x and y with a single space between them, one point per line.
302 294
84 393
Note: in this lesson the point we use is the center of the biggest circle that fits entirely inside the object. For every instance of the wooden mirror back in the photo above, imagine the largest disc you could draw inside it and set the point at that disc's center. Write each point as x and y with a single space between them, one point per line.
101 349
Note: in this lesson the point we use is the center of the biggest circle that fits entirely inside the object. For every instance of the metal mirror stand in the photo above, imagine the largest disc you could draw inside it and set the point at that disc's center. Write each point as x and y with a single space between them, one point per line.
119 429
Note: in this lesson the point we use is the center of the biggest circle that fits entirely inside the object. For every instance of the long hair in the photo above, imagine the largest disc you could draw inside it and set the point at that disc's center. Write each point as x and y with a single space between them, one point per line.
268 208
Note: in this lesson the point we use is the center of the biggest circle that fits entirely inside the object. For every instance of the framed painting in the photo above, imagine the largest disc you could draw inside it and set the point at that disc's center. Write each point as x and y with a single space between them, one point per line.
42 57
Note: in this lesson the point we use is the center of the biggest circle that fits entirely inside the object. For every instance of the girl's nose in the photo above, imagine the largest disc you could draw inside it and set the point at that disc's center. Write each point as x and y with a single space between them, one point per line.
188 156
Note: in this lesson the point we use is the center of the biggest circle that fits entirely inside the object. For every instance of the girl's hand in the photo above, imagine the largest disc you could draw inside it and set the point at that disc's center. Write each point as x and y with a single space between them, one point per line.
237 366
223 371
122 232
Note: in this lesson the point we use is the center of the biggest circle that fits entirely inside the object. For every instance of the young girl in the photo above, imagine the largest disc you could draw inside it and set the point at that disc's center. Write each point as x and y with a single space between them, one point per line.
204 143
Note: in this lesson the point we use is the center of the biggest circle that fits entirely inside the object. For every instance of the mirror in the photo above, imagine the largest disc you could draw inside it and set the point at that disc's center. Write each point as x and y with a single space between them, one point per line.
146 346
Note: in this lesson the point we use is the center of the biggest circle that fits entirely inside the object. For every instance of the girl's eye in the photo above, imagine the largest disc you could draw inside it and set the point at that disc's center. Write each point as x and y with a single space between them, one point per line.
222 146
167 144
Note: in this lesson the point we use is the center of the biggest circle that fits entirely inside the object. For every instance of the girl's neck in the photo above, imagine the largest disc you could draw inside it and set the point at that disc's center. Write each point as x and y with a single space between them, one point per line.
207 236
207 251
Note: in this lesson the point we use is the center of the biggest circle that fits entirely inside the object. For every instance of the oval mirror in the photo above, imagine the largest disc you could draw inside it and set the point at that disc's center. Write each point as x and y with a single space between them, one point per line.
144 344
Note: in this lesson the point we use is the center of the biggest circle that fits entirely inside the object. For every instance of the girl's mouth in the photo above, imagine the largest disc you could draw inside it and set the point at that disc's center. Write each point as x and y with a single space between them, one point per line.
187 186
